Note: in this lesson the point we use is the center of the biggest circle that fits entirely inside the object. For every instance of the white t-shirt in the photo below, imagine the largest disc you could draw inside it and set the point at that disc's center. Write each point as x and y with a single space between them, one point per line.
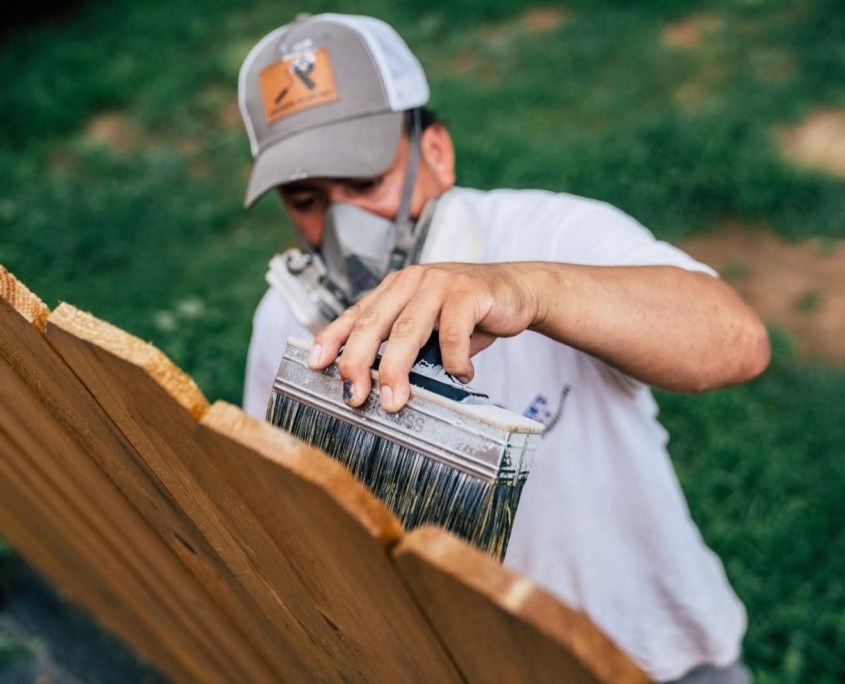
602 522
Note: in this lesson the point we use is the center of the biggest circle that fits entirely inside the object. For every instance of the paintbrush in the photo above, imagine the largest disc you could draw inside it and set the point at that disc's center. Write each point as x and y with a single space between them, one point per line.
449 457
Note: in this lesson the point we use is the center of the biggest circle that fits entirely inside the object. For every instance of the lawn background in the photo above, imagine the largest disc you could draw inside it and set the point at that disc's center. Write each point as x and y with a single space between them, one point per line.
123 166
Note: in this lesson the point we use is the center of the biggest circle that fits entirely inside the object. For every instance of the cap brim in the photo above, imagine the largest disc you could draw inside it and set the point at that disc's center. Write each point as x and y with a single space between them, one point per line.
356 148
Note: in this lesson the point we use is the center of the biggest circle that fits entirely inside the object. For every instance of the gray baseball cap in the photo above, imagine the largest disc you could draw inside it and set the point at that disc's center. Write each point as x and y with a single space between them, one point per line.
324 96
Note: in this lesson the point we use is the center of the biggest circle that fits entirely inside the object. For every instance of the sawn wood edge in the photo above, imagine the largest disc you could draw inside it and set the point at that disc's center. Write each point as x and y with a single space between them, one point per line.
432 551
129 348
309 463
23 300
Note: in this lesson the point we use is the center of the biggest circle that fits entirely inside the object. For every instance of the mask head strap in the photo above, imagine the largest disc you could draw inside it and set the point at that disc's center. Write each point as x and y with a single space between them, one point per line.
404 233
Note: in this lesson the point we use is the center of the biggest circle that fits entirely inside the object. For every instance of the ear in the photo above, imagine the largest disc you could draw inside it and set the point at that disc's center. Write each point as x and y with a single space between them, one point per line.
439 154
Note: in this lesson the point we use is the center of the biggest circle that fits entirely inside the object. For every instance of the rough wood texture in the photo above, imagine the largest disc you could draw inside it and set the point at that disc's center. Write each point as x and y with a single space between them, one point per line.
501 627
155 474
19 297
225 550
281 575
121 344
51 426
325 552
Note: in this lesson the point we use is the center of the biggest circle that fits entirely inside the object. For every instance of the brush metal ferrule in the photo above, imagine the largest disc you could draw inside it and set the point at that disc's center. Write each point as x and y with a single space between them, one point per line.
485 441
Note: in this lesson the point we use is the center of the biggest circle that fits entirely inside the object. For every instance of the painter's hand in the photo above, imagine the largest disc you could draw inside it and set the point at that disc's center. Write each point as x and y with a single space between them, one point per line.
470 304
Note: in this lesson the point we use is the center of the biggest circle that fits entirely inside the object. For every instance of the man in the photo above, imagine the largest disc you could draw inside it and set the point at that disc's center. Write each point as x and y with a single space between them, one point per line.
585 307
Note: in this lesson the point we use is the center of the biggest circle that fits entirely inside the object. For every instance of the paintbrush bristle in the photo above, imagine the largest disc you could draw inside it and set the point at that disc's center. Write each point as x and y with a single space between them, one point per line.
418 489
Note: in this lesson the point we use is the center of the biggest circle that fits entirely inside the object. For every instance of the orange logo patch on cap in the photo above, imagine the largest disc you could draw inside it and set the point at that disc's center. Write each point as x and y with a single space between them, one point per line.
297 82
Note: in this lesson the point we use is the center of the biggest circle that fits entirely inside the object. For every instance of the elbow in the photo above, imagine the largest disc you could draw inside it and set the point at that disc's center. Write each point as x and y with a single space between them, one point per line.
759 351
749 349
746 358
744 352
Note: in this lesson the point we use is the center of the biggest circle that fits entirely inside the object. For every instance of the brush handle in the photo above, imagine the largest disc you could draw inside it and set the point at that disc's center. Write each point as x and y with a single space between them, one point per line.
440 382
445 385
430 351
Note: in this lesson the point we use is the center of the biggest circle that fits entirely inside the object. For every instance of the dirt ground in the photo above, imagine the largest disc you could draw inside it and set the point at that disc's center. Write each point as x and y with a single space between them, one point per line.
690 31
818 142
799 287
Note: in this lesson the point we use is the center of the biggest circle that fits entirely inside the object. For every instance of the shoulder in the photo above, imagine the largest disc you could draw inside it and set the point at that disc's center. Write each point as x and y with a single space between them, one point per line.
542 225
503 204
544 213
558 226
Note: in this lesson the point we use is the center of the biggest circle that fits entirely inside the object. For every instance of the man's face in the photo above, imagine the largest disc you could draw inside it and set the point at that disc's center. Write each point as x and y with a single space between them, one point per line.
308 200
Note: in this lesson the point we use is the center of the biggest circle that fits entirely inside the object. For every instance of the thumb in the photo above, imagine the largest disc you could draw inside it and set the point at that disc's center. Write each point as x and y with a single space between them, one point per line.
479 341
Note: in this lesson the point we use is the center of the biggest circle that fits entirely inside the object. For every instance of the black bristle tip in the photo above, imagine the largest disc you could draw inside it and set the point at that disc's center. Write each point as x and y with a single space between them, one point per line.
418 489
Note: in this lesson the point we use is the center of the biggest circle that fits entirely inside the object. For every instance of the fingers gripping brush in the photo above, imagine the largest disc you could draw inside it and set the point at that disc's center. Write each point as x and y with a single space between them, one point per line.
449 457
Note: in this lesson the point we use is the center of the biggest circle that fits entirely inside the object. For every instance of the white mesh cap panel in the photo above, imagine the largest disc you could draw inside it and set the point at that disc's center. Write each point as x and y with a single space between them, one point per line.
403 75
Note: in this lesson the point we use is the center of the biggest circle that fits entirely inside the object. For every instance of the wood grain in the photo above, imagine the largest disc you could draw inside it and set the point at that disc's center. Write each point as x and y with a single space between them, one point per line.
58 542
326 552
500 626
56 426
70 439
156 476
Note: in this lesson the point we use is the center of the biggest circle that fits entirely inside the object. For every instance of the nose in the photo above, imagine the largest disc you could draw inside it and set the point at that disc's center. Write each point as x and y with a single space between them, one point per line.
312 226
338 192
312 229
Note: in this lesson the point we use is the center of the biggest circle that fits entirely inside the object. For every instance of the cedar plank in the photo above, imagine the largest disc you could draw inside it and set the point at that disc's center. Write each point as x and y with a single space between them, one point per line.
500 626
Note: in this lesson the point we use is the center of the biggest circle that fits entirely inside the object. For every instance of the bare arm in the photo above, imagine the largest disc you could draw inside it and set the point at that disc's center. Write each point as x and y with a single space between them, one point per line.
665 326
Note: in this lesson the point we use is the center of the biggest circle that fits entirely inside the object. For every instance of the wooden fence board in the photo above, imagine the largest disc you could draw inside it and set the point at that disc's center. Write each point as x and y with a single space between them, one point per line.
501 627
56 474
326 551
198 475
57 542
154 474
78 433
227 551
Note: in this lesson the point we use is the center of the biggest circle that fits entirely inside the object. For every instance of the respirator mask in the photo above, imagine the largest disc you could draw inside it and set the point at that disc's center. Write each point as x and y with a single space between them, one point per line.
359 249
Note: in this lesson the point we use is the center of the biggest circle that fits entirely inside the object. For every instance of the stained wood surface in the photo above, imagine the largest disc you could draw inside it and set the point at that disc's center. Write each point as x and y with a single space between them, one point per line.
292 583
226 551
155 474
59 545
326 552
51 426
501 627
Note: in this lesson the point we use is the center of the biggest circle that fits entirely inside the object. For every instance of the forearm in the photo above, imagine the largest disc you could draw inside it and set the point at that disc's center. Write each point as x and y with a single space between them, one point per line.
670 328
664 326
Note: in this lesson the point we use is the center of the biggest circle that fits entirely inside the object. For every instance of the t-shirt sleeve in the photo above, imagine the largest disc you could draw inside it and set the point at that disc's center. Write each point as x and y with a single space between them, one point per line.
602 235
606 236
272 325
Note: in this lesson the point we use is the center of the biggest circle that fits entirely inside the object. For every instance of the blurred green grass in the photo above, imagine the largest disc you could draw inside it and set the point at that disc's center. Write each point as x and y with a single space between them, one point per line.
142 224
12 652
